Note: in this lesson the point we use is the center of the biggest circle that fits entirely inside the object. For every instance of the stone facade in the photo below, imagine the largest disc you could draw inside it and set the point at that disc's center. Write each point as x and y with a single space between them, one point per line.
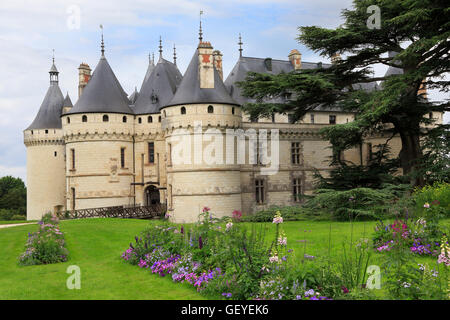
100 159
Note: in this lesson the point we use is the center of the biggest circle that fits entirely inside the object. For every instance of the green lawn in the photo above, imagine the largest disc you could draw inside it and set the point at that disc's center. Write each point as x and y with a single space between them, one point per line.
16 221
95 245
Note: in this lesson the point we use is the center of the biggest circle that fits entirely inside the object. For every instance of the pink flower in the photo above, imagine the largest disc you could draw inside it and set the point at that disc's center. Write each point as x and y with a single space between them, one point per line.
426 205
206 209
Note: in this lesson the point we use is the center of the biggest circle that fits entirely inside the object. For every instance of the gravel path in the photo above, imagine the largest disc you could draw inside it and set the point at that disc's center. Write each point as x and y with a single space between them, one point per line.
15 225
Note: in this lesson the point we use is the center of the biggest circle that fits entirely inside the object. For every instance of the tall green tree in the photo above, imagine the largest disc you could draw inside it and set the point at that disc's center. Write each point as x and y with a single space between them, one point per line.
13 194
417 30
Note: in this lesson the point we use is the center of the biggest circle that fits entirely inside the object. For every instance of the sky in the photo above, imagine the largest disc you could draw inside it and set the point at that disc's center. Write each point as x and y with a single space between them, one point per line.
31 29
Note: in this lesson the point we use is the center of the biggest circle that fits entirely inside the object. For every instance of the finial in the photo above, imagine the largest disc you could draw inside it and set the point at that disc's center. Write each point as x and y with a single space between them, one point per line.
149 58
53 58
103 44
174 55
160 47
200 33
153 58
240 45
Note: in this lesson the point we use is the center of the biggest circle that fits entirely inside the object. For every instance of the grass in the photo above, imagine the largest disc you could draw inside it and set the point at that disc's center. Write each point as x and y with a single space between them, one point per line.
95 245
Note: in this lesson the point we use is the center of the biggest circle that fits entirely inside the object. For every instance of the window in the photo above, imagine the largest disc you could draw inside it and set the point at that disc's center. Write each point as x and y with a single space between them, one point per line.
291 119
273 117
32 132
124 119
159 119
332 119
210 109
139 120
430 115
151 152
73 198
253 119
105 118
84 119
169 154
312 118
68 120
295 152
56 153
72 153
122 158
150 119
170 200
369 151
164 114
183 110
259 190
46 131
232 110
296 189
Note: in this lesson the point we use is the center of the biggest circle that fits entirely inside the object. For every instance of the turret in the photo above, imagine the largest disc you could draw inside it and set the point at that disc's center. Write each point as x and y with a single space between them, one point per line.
84 75
45 154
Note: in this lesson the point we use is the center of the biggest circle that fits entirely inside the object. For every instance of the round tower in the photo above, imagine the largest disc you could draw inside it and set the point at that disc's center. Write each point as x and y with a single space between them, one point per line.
201 165
98 131
45 155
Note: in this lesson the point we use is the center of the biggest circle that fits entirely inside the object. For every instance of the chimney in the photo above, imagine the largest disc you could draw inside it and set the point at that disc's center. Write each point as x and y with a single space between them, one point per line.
295 58
218 62
335 57
422 91
206 65
84 75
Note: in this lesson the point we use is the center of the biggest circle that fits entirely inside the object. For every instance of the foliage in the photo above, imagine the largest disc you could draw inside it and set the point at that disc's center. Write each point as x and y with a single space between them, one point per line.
397 106
45 246
13 198
436 197
289 213
435 164
345 175
358 203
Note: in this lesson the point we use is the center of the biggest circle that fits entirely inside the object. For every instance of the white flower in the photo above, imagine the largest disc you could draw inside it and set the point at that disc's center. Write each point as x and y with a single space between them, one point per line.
229 225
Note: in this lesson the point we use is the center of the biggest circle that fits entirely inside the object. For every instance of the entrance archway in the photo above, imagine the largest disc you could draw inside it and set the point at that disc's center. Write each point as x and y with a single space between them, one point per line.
151 196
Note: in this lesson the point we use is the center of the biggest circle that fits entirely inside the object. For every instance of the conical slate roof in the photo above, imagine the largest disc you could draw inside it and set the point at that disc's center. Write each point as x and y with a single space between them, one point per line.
151 67
134 96
189 91
103 93
159 88
393 70
49 114
67 102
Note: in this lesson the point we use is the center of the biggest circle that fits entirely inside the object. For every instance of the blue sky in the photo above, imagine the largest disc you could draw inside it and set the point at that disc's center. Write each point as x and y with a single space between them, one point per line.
29 30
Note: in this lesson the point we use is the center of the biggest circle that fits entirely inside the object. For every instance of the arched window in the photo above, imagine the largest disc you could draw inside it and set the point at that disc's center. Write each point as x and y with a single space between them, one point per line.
159 118
105 118
68 120
210 109
164 114
124 119
140 120
84 118
150 119
183 110
232 110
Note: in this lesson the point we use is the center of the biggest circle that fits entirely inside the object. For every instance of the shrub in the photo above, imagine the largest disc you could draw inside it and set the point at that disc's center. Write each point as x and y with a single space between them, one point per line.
289 213
436 196
357 204
18 217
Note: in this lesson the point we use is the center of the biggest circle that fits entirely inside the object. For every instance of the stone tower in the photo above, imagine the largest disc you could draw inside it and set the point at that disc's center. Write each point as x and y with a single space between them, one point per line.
45 154
98 132
194 124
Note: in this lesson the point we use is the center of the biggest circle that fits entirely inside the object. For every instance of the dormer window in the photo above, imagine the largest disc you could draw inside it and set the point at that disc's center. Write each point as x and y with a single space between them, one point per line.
105 118
154 98
183 110
210 109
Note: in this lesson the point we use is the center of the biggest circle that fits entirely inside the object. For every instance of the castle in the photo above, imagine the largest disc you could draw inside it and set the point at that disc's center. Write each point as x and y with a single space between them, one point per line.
111 149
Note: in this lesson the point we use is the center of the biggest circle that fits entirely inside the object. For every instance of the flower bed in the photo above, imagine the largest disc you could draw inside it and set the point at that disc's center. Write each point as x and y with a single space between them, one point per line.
46 245
221 258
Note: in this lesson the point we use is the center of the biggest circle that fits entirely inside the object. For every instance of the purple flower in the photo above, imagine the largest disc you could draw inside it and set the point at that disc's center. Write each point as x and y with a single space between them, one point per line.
200 242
